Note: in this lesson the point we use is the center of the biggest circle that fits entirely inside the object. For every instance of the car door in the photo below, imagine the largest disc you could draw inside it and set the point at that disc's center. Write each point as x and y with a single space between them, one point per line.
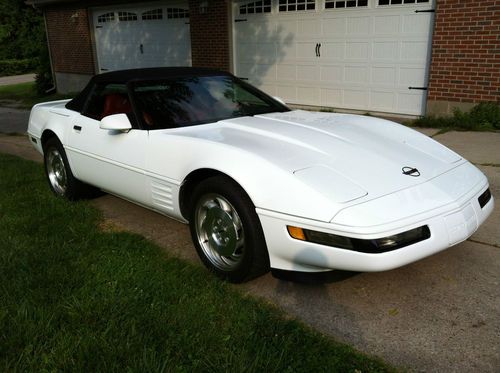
109 159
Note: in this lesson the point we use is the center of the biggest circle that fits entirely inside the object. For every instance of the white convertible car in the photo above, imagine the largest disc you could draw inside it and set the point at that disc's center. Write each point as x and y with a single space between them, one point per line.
262 186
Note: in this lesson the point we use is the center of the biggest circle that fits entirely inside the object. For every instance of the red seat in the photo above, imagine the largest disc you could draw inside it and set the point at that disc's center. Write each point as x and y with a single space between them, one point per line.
116 103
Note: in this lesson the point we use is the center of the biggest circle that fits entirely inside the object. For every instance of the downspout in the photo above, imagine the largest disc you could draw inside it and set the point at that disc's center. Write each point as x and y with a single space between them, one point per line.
54 84
54 81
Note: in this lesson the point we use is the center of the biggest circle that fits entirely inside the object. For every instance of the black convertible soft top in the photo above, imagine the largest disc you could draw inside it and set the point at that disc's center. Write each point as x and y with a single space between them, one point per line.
125 76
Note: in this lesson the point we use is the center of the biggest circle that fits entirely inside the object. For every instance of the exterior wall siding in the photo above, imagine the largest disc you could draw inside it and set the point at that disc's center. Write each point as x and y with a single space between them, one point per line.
70 41
210 33
465 67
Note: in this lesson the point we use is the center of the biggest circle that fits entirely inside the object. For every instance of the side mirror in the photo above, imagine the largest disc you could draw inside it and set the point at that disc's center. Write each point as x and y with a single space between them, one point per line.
280 100
116 122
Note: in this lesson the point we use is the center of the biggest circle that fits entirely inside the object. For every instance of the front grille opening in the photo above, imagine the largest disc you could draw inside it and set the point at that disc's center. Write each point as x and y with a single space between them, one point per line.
484 198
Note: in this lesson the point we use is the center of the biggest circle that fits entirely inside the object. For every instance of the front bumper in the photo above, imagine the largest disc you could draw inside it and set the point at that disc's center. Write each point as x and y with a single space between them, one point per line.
449 225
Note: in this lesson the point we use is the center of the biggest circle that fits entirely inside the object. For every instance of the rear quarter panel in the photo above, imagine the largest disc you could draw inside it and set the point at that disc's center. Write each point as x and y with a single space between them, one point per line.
51 116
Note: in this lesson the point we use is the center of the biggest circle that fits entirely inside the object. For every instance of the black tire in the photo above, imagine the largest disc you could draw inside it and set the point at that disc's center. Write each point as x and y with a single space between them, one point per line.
215 226
61 180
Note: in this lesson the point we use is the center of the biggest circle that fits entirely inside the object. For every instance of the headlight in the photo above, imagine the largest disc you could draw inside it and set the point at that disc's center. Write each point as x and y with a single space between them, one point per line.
378 245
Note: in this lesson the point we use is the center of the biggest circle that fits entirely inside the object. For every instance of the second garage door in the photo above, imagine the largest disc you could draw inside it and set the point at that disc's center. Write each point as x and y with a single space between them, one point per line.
133 37
368 55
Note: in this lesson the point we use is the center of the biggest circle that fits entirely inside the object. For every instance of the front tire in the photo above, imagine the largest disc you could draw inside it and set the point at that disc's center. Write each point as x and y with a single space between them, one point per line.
59 175
226 230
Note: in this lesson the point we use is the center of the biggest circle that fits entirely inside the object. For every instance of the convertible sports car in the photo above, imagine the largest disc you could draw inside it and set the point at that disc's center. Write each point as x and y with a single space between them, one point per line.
260 185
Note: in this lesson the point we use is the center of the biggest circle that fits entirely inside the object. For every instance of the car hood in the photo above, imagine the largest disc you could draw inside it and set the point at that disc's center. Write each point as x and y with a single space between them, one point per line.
313 164
343 156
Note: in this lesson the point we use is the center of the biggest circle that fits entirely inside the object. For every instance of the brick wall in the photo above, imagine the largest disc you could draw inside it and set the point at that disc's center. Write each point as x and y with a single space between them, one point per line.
210 34
465 65
69 40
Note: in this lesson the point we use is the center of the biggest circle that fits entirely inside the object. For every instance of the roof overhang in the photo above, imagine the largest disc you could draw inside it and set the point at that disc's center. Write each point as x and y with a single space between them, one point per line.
37 3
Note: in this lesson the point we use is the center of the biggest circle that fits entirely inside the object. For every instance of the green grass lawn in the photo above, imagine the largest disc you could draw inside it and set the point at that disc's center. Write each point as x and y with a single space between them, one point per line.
24 95
74 297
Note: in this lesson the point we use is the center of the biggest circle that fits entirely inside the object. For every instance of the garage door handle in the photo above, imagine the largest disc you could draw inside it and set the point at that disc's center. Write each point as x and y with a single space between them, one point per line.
318 50
425 11
419 88
142 49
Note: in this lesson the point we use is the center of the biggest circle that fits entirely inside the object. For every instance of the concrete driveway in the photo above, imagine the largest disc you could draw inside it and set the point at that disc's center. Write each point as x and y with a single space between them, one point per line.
16 79
13 120
439 314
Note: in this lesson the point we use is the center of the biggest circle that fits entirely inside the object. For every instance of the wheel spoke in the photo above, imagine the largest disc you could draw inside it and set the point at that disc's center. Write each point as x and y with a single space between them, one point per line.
237 221
224 205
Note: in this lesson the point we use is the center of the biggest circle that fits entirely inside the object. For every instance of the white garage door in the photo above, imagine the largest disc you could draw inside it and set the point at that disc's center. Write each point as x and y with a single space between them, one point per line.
153 36
361 54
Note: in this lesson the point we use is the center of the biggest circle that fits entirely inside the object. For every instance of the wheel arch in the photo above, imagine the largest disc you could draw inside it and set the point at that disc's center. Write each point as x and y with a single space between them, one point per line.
47 135
192 180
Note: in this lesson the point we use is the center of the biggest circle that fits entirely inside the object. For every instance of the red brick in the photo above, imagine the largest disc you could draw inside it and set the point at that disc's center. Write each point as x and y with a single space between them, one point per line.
465 64
69 40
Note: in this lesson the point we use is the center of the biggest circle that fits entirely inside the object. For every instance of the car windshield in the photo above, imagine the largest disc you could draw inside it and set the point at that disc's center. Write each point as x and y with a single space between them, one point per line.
198 100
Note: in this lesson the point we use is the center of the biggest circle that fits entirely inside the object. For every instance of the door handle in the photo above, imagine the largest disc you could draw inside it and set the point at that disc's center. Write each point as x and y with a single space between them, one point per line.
141 47
77 128
318 49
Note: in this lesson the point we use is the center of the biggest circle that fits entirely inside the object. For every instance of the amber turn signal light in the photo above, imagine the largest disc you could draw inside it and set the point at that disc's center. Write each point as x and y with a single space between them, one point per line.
296 233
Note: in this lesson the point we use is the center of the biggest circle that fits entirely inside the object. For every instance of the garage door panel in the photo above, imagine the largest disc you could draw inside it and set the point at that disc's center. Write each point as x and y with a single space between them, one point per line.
385 50
334 26
308 95
356 98
359 26
417 23
384 75
331 97
356 74
133 37
247 52
412 76
414 51
286 51
363 57
287 72
286 27
309 27
308 73
357 51
333 51
257 30
265 52
409 102
306 50
383 100
386 25
332 73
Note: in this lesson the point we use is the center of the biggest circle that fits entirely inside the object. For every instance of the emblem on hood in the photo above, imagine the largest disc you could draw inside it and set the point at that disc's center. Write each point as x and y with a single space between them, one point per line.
411 171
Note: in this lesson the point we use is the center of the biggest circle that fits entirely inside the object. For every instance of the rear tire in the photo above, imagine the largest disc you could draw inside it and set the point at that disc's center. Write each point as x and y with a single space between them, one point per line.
226 230
61 180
